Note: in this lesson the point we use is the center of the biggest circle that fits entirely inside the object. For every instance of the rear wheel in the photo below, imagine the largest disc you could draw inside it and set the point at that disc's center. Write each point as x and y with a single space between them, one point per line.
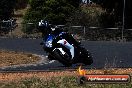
64 59
88 60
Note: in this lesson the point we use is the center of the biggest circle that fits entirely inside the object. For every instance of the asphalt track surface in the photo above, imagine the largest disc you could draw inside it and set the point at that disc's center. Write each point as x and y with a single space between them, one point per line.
106 54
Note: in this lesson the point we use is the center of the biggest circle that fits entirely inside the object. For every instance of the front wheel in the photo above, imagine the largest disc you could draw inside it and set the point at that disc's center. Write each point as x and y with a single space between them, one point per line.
61 58
87 58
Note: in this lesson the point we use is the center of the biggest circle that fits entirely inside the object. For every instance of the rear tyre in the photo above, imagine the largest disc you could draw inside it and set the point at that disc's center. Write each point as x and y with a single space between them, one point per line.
88 59
64 60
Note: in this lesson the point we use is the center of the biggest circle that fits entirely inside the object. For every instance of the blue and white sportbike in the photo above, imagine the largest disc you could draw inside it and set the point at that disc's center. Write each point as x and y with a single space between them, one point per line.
63 47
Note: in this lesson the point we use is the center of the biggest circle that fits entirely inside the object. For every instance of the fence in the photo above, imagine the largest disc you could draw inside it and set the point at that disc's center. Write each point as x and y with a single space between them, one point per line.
86 33
7 25
101 34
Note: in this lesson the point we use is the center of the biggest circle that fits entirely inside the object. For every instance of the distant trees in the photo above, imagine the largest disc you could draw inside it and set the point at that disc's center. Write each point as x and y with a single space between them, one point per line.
115 7
6 8
75 3
86 16
55 11
20 4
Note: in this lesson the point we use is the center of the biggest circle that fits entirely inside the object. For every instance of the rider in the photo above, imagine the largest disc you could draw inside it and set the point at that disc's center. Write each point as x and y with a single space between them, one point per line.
44 27
47 28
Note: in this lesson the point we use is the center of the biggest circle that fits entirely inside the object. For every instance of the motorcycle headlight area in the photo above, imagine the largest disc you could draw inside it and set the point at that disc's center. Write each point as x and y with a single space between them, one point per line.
48 44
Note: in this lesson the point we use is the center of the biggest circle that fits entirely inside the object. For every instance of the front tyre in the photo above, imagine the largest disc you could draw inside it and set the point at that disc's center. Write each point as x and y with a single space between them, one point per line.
64 60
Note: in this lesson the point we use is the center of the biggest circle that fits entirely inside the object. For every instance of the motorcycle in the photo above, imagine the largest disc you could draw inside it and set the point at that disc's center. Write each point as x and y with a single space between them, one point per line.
64 48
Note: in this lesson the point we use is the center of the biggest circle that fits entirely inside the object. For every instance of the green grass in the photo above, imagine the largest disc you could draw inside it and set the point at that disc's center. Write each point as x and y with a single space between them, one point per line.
58 82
